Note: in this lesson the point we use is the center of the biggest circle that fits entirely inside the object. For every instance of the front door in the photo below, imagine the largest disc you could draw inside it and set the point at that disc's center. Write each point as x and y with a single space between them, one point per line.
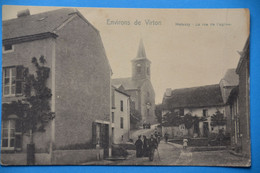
105 139
205 129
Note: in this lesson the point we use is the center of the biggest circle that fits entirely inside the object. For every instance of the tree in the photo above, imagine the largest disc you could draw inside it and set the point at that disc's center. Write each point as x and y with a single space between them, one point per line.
135 115
188 120
172 119
33 111
218 119
158 113
37 100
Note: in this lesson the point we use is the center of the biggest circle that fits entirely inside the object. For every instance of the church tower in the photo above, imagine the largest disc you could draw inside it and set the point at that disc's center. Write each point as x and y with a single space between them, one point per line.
141 65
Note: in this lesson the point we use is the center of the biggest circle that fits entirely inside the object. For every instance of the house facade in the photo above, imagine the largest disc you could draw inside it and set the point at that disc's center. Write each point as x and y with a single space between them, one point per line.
139 86
120 116
239 106
227 84
79 81
201 102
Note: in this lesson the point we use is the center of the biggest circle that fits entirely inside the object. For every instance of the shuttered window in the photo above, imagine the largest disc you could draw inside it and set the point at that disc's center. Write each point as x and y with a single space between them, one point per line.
12 80
11 135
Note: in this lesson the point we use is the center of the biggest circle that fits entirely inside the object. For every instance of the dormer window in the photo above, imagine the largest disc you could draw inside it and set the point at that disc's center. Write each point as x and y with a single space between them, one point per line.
8 48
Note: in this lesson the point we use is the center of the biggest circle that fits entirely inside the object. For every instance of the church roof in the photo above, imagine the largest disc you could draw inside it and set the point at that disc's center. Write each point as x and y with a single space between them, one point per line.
141 50
230 78
202 96
128 83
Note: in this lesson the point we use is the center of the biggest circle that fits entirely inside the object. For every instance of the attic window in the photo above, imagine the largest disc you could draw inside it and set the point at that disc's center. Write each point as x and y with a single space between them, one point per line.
8 48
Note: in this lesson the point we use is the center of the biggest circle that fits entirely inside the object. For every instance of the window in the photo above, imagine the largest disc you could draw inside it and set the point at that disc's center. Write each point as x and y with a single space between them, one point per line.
113 99
12 80
148 71
8 134
8 48
205 112
121 122
113 117
122 105
138 68
181 112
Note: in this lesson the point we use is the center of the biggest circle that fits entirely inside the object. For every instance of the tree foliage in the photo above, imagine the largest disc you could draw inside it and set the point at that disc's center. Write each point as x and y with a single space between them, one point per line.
218 119
158 113
173 119
37 96
135 115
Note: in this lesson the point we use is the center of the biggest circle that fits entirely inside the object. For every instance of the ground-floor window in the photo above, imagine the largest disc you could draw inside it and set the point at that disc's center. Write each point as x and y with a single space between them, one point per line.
8 134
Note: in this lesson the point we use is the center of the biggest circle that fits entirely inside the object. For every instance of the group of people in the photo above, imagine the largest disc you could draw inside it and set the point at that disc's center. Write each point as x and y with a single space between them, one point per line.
146 147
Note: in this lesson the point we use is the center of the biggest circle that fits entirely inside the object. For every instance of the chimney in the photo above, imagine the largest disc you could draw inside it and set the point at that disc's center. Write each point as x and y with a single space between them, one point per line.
23 13
168 92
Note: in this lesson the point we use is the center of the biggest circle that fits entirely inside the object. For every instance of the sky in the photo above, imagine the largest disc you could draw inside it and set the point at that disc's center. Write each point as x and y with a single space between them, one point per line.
187 47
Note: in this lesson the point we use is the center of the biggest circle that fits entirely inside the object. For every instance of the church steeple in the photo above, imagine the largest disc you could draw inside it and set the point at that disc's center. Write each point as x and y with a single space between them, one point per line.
141 50
141 65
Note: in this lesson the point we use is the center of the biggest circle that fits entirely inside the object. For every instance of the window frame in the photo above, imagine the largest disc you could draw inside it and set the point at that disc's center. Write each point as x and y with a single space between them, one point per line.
17 79
10 77
9 137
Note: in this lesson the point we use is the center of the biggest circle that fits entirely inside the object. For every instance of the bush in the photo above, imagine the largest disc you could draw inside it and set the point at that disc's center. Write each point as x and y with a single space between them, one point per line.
119 151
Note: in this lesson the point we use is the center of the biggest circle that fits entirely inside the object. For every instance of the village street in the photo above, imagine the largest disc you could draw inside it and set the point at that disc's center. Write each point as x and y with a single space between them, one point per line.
174 154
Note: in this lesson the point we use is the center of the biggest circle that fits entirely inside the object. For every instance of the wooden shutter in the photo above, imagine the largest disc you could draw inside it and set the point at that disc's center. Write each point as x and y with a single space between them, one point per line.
19 80
18 135
94 134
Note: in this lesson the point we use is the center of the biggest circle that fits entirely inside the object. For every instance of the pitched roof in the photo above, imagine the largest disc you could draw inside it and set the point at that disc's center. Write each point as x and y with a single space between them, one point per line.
36 24
128 83
230 78
203 96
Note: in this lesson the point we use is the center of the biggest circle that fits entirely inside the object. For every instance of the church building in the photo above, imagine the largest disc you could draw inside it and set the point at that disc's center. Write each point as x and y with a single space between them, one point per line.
139 86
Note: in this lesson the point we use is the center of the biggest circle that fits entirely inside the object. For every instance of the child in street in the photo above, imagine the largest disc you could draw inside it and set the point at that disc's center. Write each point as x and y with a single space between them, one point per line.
185 143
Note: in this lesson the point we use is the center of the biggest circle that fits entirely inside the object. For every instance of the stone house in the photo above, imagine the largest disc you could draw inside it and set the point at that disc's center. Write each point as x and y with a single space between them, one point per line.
139 86
202 102
120 116
79 80
240 106
227 83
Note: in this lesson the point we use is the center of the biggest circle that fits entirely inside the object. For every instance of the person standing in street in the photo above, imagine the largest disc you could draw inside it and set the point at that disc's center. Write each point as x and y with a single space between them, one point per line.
145 146
166 136
139 146
152 146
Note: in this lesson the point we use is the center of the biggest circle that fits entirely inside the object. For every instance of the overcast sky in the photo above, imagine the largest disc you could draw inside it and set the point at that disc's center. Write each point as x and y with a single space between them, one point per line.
181 55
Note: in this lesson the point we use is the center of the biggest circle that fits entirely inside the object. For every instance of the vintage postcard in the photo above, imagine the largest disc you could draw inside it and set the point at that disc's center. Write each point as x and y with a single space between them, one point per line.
107 86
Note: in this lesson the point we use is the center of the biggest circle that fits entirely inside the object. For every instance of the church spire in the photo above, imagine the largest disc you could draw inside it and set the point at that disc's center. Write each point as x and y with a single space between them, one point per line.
141 51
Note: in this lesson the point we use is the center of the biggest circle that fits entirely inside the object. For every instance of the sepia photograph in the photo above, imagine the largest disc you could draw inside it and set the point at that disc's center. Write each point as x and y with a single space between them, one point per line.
125 86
